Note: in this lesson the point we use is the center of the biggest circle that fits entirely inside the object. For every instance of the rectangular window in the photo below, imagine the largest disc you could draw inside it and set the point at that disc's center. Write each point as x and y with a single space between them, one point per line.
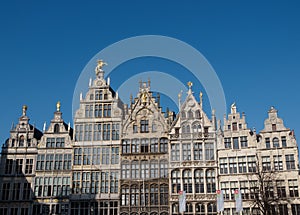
186 151
290 162
105 155
293 188
115 131
104 182
97 132
209 151
223 166
86 182
283 141
266 163
154 145
295 209
106 110
29 166
280 186
244 142
114 155
144 145
278 162
227 142
135 128
114 178
242 164
144 126
16 191
273 127
106 132
198 151
232 165
87 153
19 166
79 132
175 156
5 191
50 143
234 126
251 163
26 191
8 166
236 143
125 146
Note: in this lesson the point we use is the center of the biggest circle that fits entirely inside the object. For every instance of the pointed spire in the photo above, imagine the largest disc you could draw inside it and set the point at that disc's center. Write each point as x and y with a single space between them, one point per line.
201 99
90 83
80 96
44 127
69 126
108 81
24 110
117 95
149 82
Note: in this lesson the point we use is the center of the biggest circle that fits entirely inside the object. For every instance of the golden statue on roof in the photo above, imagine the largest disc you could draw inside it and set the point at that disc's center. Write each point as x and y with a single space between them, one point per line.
98 70
58 106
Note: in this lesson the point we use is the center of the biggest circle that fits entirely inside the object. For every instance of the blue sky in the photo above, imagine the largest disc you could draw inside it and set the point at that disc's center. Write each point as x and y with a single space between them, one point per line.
254 47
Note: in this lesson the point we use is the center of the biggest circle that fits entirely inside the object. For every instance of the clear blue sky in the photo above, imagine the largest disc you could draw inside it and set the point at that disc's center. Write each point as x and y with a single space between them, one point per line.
254 48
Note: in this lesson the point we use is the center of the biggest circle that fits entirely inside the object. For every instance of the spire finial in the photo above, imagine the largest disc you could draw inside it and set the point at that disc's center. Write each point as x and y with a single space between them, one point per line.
201 98
58 106
190 84
24 109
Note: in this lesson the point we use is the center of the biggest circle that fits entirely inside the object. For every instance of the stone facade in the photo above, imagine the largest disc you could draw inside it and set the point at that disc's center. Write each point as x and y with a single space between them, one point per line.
134 159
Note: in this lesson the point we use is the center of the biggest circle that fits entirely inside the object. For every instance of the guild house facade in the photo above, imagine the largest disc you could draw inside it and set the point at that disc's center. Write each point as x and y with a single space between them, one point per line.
135 159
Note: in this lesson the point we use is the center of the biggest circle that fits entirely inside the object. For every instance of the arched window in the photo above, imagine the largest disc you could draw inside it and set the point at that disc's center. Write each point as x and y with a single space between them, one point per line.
163 169
134 169
125 169
211 208
275 142
188 209
199 181
56 128
154 169
175 209
196 128
200 209
134 193
21 141
187 181
125 195
164 194
210 181
183 115
190 114
186 129
154 194
198 114
175 181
